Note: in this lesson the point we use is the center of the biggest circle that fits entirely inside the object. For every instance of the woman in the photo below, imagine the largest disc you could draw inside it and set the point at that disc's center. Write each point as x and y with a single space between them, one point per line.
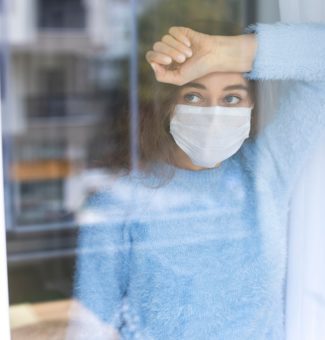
203 255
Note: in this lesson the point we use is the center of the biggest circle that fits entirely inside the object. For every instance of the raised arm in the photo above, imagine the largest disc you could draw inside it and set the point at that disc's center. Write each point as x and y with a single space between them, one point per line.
270 51
294 52
289 52
184 55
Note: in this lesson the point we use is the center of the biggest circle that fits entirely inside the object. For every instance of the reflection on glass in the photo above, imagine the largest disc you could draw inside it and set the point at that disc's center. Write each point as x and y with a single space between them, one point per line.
61 14
153 244
64 119
190 243
193 244
65 102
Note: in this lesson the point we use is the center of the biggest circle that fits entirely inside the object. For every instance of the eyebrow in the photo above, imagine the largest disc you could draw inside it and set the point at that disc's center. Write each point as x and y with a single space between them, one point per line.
236 87
227 88
195 85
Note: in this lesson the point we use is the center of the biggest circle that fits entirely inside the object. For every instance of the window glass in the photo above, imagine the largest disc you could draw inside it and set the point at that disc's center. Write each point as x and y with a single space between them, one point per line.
65 105
71 114
61 14
139 207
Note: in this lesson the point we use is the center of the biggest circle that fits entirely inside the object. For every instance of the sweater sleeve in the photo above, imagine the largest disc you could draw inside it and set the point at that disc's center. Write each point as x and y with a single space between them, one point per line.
294 53
101 274
289 52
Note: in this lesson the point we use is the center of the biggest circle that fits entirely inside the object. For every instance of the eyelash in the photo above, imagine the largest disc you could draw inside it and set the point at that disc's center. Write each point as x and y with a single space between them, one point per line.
232 96
188 95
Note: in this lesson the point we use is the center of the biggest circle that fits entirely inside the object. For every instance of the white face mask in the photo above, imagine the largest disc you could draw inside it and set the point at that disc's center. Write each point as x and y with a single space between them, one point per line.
209 135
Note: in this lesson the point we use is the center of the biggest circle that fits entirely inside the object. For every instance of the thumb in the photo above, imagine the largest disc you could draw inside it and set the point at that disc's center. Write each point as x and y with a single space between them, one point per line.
165 75
158 69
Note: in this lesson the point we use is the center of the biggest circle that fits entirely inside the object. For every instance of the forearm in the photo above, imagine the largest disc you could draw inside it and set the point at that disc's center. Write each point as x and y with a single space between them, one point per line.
235 53
287 141
289 51
273 51
184 55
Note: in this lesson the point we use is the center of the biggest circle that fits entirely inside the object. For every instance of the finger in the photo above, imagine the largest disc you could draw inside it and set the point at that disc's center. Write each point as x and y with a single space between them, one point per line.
159 58
179 46
181 34
165 75
163 48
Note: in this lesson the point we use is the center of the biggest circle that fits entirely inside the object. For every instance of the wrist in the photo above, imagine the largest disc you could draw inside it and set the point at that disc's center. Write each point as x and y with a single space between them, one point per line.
247 51
234 53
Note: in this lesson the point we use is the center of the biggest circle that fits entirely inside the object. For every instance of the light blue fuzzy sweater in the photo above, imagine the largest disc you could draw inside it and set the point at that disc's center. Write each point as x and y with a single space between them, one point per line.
204 256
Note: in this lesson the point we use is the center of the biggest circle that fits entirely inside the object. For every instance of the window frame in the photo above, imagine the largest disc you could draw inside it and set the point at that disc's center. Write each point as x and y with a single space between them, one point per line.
4 297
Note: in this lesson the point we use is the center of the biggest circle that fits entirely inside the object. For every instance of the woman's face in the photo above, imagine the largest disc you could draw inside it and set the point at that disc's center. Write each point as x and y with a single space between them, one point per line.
217 89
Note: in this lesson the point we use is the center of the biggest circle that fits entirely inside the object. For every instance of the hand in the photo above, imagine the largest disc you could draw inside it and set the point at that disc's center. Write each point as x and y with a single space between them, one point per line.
184 55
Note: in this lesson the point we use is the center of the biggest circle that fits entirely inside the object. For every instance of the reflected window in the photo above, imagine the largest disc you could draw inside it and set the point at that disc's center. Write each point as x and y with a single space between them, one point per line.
61 14
73 205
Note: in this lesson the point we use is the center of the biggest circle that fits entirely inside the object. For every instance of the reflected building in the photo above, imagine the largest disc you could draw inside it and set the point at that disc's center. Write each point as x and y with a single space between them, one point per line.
64 58
63 62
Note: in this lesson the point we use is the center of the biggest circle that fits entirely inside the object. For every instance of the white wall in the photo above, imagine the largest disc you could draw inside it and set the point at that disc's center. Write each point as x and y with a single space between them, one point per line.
21 16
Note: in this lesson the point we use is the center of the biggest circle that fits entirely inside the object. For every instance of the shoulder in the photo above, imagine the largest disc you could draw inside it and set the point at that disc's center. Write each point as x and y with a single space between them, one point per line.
118 198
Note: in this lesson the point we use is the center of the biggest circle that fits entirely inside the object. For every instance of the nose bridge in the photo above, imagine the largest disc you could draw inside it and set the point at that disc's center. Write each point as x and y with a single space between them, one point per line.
214 99
214 94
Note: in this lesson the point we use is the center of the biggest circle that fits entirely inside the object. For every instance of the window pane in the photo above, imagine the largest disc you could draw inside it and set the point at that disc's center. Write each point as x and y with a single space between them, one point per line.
141 207
77 86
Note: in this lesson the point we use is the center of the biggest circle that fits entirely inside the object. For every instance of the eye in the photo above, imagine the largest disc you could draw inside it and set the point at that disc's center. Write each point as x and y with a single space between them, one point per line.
192 98
232 100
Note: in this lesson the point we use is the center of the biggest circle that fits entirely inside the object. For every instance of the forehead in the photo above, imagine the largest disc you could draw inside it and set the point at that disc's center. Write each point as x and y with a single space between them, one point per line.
218 81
